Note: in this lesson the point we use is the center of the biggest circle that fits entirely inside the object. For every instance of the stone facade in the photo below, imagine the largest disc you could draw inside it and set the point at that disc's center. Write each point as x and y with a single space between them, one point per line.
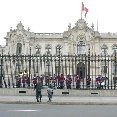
76 40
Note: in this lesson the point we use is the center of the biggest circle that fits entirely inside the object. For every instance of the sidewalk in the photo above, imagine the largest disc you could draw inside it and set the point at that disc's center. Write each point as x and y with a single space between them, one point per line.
58 100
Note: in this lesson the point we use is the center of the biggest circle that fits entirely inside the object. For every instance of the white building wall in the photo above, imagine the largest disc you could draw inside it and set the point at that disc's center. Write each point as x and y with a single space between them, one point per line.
68 40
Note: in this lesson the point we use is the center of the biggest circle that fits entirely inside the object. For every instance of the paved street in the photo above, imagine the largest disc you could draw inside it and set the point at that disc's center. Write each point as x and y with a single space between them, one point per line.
35 110
64 100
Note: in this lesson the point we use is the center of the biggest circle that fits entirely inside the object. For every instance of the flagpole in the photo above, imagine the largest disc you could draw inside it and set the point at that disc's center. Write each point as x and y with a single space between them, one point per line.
97 25
81 11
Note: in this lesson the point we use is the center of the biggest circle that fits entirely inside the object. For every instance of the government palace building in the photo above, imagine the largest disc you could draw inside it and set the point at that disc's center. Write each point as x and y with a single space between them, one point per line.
80 50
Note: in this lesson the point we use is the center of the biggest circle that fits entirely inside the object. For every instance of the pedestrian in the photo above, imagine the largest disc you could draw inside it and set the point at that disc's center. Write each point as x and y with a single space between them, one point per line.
38 88
42 79
77 80
68 81
34 80
54 81
50 93
98 81
61 81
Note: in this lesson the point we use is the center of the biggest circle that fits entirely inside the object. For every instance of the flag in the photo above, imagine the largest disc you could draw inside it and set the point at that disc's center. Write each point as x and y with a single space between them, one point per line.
84 9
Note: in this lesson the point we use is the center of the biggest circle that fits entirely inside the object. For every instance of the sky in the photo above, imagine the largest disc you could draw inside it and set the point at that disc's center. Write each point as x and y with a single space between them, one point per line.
53 16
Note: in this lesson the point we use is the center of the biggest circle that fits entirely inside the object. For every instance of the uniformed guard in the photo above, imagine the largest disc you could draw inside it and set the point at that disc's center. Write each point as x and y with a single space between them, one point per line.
77 80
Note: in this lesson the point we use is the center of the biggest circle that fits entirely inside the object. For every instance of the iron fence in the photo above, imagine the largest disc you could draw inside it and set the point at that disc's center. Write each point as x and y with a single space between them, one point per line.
87 71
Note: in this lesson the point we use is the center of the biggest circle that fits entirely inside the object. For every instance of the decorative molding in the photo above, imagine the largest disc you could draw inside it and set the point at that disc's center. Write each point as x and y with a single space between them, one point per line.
81 37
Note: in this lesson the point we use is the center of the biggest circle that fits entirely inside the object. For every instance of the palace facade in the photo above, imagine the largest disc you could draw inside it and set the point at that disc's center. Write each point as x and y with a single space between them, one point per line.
78 40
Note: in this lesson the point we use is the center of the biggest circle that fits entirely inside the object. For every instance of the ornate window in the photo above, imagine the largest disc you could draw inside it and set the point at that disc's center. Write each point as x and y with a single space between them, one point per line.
104 49
38 49
48 68
19 48
48 49
58 49
114 48
104 64
81 47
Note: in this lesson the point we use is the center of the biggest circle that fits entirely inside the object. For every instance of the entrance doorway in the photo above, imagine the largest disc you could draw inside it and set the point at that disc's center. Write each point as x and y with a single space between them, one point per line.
81 70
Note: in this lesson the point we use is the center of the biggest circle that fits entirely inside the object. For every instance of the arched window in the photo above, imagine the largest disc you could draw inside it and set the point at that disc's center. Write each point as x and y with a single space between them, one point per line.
114 48
104 49
58 49
81 47
48 49
104 65
19 48
38 49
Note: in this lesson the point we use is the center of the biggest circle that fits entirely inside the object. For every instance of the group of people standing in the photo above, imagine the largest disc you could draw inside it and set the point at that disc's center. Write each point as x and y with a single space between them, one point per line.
22 81
78 81
100 82
60 81
38 85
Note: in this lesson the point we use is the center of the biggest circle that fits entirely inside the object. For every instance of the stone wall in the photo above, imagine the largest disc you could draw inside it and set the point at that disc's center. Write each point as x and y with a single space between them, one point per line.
59 92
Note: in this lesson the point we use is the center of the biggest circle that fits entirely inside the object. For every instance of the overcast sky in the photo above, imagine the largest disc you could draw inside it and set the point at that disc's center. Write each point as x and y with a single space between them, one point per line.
54 15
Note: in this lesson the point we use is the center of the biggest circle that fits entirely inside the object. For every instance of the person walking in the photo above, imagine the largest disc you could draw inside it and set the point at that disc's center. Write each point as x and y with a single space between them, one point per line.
50 93
38 88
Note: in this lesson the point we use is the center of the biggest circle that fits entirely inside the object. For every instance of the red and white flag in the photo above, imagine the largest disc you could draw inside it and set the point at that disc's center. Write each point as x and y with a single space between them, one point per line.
84 9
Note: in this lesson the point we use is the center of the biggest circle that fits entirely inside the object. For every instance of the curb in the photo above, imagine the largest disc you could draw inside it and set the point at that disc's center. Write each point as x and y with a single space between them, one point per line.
60 103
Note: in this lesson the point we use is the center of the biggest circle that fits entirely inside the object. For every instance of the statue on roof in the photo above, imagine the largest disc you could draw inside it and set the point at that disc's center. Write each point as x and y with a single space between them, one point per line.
20 26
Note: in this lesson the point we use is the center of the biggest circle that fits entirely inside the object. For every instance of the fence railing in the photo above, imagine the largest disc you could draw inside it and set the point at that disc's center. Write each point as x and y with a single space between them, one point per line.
83 71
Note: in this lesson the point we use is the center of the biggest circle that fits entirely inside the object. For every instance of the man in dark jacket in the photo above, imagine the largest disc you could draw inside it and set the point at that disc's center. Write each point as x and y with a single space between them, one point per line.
38 88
